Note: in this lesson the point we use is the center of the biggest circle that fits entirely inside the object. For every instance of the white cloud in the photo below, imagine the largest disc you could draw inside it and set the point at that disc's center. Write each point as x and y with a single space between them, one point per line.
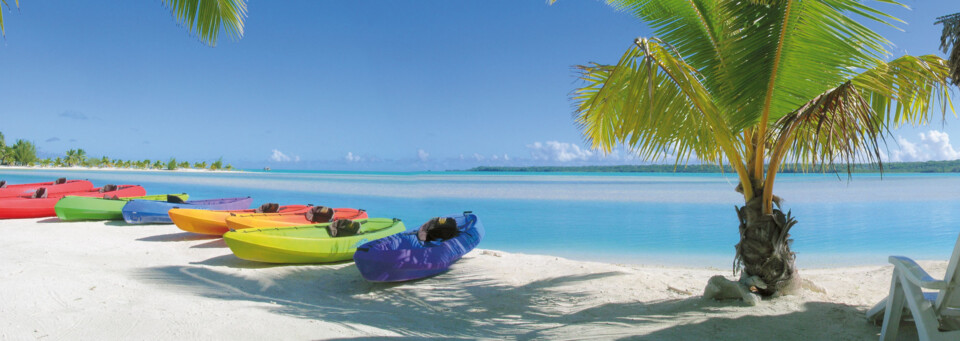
933 145
422 155
279 156
559 151
506 157
352 158
478 157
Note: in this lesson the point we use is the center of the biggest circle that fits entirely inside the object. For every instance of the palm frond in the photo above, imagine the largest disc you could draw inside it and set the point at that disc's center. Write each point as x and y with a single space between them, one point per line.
205 18
692 27
950 44
789 51
905 89
653 101
839 125
3 3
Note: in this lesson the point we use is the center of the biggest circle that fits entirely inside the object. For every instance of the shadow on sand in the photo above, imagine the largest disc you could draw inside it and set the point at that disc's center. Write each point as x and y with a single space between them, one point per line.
176 237
216 243
471 305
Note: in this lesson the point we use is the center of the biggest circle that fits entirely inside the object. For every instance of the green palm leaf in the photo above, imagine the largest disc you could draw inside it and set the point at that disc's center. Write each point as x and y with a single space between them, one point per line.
206 17
654 102
3 3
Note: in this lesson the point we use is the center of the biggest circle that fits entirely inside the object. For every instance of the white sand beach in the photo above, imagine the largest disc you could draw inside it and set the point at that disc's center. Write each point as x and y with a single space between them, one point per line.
111 281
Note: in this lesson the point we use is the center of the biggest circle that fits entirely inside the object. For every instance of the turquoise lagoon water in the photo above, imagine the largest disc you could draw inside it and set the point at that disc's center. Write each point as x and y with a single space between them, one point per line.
657 219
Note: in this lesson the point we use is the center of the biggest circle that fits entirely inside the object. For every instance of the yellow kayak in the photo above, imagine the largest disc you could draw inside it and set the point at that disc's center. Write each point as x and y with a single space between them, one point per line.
306 243
214 222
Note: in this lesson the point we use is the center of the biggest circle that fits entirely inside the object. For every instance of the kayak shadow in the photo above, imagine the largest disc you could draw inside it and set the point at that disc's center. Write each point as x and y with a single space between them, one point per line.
213 244
232 261
176 237
50 220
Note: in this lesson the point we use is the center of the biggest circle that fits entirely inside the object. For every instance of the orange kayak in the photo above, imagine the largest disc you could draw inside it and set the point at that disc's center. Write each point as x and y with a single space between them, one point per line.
214 222
260 220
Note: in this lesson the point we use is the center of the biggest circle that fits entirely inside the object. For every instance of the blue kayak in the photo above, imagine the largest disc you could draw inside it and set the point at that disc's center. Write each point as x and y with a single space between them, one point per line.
405 256
155 212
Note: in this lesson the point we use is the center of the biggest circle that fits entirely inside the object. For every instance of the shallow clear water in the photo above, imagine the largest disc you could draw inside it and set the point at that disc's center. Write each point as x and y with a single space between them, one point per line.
668 219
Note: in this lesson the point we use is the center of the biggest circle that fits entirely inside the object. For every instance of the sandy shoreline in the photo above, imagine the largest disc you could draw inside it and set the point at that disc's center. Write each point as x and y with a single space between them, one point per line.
103 280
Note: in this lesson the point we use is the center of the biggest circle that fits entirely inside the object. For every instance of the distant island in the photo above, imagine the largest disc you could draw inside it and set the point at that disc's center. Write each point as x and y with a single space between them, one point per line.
888 167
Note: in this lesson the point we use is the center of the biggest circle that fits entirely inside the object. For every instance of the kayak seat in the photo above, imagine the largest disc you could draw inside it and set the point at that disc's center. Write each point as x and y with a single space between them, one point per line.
40 193
269 207
174 199
319 214
60 181
438 229
108 188
343 228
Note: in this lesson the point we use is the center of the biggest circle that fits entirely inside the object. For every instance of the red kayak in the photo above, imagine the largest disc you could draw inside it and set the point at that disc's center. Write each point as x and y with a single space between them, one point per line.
41 203
61 185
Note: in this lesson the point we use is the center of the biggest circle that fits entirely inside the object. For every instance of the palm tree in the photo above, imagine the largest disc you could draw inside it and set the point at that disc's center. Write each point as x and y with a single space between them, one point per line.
24 152
206 18
753 84
217 165
58 162
950 43
71 157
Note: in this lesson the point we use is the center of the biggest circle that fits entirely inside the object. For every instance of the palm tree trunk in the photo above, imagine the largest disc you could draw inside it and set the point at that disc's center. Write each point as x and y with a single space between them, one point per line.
764 249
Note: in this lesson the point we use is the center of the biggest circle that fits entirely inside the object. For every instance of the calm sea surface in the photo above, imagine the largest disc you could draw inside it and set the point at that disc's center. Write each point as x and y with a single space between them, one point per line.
667 219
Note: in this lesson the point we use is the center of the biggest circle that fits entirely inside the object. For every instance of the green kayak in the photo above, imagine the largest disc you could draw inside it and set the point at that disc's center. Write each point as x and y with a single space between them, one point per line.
86 208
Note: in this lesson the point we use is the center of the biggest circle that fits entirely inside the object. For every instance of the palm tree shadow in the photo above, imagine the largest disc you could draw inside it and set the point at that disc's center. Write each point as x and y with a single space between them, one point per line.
471 304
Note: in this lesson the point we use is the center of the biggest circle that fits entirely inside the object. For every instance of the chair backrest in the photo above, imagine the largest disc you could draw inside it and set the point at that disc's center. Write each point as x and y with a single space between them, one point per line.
948 301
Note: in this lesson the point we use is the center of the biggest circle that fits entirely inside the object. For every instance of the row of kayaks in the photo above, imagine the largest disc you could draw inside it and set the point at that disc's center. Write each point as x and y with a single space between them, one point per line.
383 249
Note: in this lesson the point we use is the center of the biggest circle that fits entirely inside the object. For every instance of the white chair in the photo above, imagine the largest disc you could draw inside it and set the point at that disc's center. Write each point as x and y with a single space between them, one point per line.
936 314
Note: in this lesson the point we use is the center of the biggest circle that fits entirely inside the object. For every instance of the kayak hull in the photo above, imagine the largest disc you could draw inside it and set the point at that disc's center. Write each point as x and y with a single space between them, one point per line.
156 212
262 220
13 191
403 257
72 208
214 222
17 208
307 243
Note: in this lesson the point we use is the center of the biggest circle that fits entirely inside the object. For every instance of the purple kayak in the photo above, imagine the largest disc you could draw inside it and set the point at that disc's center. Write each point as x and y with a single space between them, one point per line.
403 256
155 212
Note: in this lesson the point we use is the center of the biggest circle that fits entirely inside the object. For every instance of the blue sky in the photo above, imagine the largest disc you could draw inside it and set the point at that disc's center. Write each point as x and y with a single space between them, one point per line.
365 85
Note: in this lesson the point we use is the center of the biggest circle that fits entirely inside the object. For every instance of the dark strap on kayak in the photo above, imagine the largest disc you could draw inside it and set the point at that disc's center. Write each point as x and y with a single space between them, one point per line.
343 228
320 214
269 207
439 228
40 193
